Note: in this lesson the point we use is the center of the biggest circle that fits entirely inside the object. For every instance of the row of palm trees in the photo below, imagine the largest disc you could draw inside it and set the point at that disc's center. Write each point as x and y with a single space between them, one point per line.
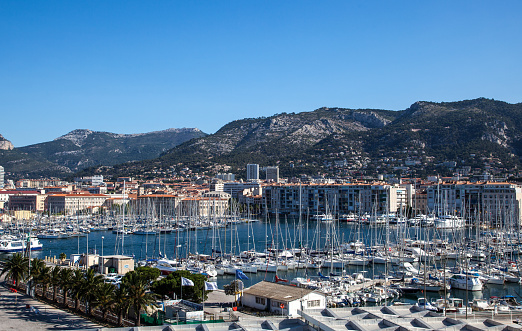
83 287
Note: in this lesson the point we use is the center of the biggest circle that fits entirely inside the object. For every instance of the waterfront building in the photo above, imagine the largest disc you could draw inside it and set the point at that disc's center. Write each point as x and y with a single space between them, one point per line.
155 205
282 299
27 200
205 206
491 202
335 198
70 204
252 172
4 198
235 189
120 264
272 174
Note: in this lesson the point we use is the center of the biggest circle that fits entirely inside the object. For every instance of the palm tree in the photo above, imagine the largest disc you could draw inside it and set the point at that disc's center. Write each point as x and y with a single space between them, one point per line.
105 298
37 265
55 280
45 279
89 286
65 283
76 287
138 291
121 303
16 268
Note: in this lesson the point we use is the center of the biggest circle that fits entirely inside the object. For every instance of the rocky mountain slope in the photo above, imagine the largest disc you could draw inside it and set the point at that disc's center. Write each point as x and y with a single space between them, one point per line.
481 134
80 149
5 144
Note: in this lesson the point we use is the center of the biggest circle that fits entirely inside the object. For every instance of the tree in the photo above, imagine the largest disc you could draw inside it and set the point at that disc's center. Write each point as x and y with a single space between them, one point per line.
137 286
55 280
65 283
172 284
44 278
76 287
62 256
91 282
151 274
121 303
105 298
164 287
37 266
16 268
234 287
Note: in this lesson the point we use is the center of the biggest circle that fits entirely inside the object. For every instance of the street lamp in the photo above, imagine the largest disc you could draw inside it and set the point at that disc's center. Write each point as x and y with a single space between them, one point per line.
102 244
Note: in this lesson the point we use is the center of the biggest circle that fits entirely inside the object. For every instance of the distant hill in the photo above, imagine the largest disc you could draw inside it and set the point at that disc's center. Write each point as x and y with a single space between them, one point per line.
80 149
5 144
427 137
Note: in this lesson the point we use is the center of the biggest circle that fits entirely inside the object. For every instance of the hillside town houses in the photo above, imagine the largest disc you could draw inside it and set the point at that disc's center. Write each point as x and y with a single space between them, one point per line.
481 201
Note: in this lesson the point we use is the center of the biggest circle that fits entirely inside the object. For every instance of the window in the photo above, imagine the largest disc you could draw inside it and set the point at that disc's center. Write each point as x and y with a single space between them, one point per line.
260 301
314 303
275 303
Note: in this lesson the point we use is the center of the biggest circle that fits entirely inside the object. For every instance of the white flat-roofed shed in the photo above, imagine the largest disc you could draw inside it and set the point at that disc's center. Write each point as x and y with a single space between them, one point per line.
282 299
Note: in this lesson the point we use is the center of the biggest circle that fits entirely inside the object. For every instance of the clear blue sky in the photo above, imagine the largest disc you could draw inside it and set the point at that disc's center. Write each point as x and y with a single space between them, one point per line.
140 66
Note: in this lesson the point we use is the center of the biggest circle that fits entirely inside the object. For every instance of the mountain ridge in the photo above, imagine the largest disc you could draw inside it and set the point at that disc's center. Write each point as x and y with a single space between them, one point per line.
82 148
415 140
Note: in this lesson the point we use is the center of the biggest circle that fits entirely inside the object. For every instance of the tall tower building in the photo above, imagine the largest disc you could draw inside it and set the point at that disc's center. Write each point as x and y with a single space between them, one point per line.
272 174
2 174
252 171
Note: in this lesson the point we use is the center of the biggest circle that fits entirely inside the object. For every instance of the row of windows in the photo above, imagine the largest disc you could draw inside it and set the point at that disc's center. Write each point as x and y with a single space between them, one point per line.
260 301
314 303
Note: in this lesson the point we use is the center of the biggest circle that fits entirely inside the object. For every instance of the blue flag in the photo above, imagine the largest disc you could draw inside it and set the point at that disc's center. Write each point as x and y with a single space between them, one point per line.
240 274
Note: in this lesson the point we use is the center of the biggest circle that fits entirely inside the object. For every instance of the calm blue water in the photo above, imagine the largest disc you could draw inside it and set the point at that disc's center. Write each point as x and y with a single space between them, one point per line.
256 235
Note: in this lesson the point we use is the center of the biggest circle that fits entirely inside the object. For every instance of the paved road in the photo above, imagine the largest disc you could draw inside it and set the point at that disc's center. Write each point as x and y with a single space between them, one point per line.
15 316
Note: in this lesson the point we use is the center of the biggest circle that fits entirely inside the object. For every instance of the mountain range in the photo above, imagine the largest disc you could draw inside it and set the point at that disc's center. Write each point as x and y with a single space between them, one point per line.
428 137
479 135
80 149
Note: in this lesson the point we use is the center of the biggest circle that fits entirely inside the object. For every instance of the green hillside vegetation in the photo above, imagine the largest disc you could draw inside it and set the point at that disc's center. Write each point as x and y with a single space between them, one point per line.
470 133
82 149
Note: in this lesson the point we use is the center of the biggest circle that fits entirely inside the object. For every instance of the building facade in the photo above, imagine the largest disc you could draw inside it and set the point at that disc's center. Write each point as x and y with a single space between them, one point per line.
335 198
493 203
252 172
2 177
282 299
272 174
70 204
32 201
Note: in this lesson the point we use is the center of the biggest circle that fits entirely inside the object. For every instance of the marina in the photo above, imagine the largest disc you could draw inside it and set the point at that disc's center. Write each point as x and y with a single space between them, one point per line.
355 263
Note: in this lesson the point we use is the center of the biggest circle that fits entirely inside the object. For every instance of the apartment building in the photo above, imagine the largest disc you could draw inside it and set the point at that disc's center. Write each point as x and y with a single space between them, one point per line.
491 202
70 204
336 198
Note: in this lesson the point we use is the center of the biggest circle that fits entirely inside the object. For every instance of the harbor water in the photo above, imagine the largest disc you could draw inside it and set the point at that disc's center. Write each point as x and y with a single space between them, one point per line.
261 235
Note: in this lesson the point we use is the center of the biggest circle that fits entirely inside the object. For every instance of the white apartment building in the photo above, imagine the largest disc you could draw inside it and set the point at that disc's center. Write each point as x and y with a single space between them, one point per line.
490 202
335 198
205 206
70 204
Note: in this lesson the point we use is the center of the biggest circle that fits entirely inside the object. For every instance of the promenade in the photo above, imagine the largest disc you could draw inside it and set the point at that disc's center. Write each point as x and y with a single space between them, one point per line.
21 312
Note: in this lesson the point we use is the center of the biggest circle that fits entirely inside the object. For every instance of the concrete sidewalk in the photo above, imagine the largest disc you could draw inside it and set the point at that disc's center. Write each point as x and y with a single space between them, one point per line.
15 316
